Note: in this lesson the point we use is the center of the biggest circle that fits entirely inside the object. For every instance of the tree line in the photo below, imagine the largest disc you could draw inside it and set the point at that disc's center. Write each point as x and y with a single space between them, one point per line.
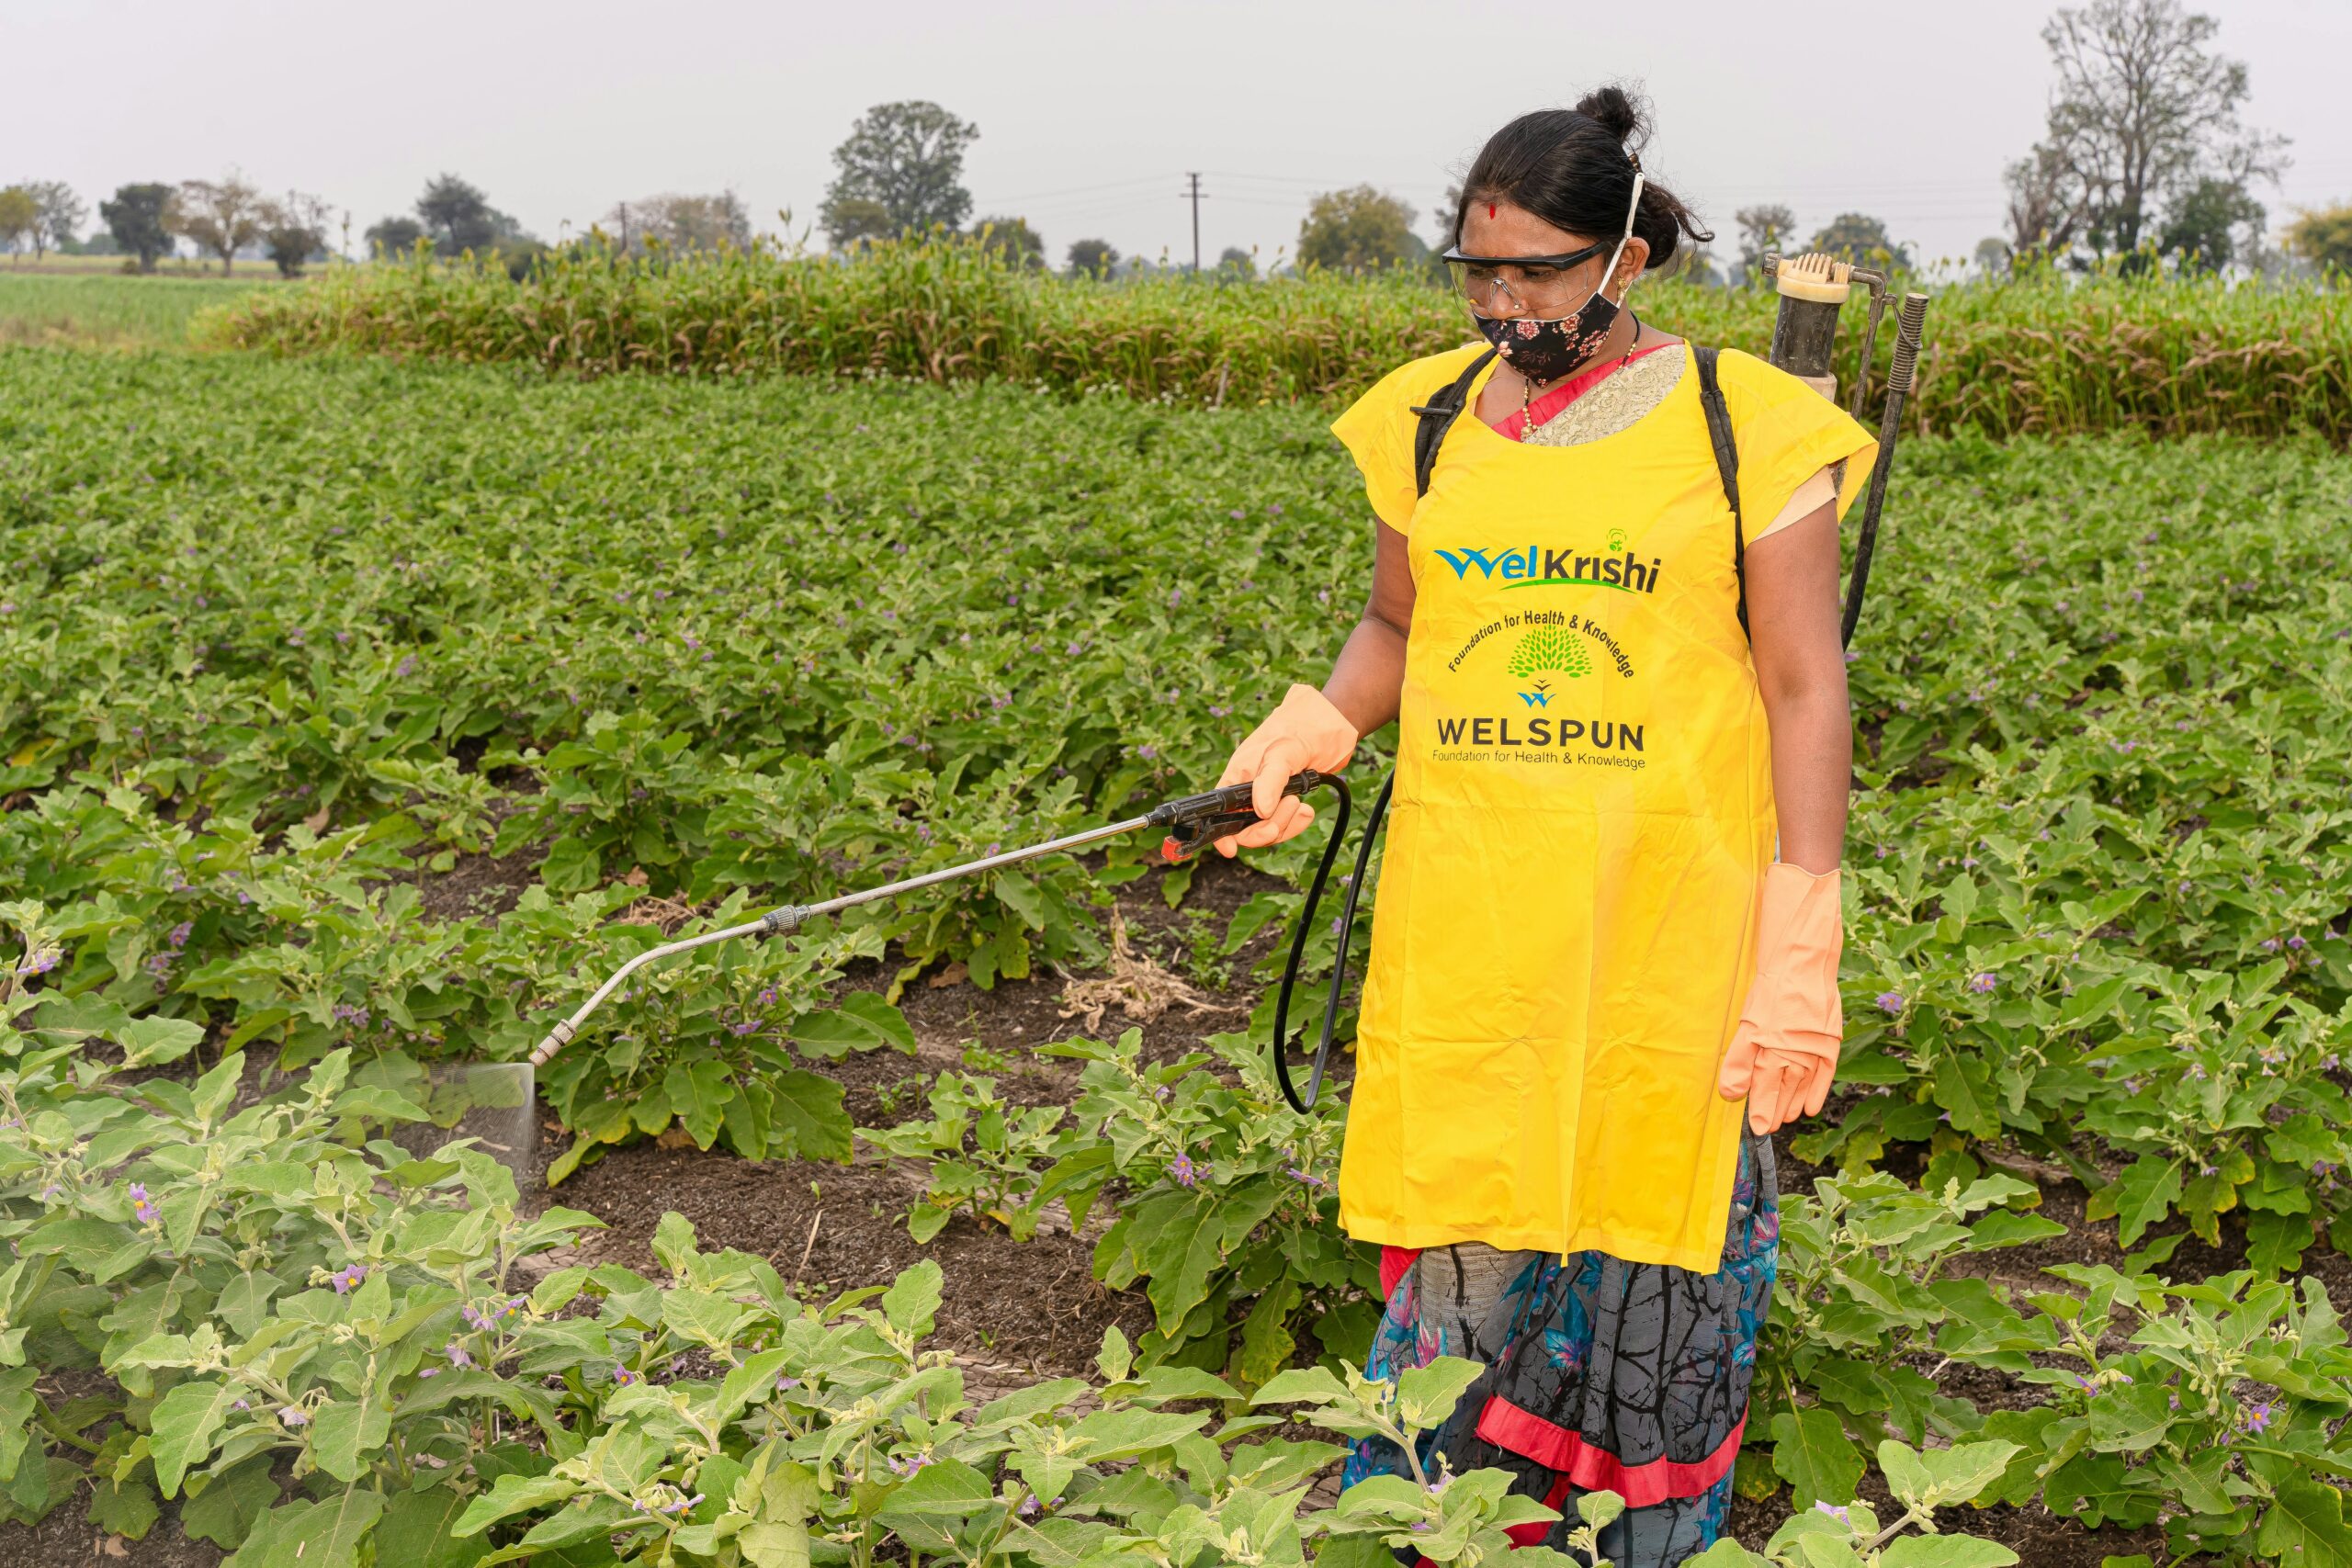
2144 159
231 218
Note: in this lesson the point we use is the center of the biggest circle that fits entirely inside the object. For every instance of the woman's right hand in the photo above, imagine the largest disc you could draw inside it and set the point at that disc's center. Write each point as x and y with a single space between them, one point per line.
1305 731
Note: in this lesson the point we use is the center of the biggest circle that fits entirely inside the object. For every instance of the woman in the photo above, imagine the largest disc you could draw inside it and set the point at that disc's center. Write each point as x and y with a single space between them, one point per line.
1609 910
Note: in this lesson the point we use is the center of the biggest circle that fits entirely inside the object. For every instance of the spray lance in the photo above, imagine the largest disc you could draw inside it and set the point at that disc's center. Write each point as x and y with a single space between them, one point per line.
1189 821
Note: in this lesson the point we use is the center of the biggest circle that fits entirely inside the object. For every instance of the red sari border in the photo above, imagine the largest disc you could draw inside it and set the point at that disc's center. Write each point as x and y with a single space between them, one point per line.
1589 1469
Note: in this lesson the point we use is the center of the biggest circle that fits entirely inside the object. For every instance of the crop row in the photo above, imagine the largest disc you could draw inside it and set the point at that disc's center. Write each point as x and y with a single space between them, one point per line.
2047 356
280 640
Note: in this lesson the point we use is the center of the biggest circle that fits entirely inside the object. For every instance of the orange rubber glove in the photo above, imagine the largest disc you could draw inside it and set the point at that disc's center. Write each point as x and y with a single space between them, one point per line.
1785 1051
1305 731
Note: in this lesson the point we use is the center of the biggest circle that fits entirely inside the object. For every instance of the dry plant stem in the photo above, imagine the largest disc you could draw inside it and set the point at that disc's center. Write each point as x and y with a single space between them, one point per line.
802 1267
1140 988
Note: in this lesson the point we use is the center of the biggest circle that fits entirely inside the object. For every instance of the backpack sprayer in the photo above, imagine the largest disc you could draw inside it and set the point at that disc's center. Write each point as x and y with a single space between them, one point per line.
499 1099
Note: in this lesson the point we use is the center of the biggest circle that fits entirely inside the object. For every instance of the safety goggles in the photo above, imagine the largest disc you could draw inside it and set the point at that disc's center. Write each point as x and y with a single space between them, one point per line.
1535 283
1538 285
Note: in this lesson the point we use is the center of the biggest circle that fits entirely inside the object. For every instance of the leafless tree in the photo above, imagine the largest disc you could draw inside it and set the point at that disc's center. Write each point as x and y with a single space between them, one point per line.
2144 109
293 229
58 215
1768 226
680 223
221 217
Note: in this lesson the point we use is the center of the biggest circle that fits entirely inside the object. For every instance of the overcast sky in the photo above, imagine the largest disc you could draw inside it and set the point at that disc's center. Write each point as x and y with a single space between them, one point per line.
1090 114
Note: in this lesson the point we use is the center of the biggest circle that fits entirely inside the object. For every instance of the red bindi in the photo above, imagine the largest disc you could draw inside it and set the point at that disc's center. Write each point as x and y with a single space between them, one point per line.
1490 210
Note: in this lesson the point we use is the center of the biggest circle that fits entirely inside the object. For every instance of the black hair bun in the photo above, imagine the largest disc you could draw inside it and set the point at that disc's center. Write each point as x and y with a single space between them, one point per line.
1618 113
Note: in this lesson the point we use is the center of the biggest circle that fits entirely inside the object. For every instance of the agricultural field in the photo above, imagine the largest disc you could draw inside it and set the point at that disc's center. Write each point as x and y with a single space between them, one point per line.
93 309
358 714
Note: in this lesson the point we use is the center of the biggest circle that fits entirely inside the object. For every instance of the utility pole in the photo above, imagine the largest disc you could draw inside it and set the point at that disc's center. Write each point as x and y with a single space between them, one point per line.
1194 193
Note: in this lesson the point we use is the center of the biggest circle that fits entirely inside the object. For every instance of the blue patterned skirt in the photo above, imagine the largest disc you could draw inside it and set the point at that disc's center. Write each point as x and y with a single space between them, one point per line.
1602 1375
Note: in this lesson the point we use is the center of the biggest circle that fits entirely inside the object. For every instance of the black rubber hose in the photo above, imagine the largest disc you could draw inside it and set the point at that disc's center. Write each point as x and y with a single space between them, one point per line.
1339 961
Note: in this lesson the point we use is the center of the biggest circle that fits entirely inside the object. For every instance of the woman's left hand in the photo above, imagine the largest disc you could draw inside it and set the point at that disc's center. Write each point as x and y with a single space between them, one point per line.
1778 1082
1784 1053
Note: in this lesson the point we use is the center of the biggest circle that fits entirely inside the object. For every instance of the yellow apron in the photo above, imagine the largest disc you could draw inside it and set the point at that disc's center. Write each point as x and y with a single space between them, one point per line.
1564 931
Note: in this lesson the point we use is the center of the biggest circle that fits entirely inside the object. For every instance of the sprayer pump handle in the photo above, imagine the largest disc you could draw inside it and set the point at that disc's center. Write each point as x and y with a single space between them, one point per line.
1196 819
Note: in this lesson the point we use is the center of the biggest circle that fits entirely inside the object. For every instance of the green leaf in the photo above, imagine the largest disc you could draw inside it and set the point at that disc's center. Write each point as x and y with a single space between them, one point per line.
1126 1433
1946 1551
1729 1553
1813 1454
2144 1194
417 1531
1116 1357
912 1302
512 1495
572 866
702 1317
223 1508
861 1022
1963 1089
698 1093
183 1427
2305 1528
304 1535
674 1242
1302 1385
149 1041
346 1434
124 1508
1426 1395
946 1487
1020 894
806 1117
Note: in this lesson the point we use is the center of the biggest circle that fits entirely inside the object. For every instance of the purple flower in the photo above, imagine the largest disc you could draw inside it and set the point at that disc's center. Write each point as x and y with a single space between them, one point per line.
2258 1415
293 1416
783 1383
1983 983
1834 1510
622 1376
140 1205
180 933
742 1026
1890 1001
1183 1168
2295 942
1307 1177
405 668
908 1465
458 1354
343 1278
767 998
2270 944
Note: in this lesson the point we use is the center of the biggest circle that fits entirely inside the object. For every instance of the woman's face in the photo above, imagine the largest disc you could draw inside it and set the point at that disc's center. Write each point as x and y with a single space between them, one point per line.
1500 229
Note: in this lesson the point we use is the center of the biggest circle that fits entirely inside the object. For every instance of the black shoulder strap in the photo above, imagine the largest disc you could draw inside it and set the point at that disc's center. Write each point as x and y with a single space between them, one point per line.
1437 417
1711 399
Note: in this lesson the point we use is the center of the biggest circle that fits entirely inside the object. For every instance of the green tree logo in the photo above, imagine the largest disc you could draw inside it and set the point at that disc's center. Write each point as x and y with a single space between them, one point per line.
1549 647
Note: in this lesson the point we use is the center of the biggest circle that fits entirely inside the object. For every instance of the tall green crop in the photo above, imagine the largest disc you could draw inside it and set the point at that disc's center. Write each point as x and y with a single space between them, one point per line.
2046 355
